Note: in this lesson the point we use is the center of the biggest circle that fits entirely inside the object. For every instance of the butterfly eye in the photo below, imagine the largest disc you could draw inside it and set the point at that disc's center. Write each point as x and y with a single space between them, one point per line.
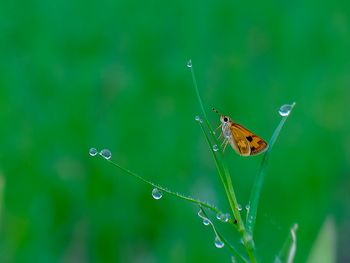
225 119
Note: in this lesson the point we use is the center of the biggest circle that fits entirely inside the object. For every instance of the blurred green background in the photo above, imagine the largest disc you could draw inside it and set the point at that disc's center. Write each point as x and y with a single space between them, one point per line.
112 74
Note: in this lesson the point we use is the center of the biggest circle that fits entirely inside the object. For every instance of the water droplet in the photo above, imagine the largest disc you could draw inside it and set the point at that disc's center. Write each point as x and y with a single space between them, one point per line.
246 239
215 148
157 194
206 221
189 64
219 215
247 207
227 217
239 207
218 243
223 217
93 151
197 118
285 110
105 153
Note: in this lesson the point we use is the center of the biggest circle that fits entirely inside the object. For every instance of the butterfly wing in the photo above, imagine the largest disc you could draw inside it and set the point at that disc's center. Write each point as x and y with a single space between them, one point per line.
239 142
245 137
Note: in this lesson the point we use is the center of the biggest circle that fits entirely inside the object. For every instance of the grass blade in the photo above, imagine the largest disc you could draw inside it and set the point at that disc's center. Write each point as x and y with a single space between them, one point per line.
189 64
256 190
224 174
166 190
325 246
218 156
289 248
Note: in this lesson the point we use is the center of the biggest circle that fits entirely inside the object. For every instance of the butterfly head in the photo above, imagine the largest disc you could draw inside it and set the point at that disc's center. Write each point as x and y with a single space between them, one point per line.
224 119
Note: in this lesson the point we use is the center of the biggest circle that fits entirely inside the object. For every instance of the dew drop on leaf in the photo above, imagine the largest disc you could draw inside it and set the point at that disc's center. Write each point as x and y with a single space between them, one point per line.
206 221
285 110
197 118
93 151
218 243
157 194
105 153
189 64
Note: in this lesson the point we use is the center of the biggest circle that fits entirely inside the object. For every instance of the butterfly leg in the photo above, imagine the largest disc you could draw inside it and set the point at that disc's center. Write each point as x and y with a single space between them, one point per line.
217 128
224 144
220 136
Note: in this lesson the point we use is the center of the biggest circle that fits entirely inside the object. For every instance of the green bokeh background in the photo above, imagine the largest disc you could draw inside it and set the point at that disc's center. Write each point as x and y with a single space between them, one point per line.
112 74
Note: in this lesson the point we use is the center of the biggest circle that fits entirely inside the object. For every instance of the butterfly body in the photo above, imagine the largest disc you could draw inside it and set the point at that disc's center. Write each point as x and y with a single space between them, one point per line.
243 141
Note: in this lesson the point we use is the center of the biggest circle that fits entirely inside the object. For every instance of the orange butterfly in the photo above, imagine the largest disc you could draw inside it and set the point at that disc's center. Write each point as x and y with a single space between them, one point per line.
243 141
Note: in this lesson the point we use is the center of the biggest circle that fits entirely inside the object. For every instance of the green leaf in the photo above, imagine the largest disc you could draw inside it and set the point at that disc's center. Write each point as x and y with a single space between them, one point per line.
324 248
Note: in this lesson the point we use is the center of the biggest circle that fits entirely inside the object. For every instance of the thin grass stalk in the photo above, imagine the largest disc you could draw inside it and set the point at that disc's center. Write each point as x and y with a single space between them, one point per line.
226 179
258 183
166 190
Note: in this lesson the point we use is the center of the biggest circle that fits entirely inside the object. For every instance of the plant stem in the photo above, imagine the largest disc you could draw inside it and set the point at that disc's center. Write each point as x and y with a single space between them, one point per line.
231 196
217 233
166 190
226 179
246 237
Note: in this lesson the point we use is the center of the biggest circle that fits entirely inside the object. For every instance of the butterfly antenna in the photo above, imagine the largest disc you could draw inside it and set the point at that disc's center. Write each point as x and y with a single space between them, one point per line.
215 110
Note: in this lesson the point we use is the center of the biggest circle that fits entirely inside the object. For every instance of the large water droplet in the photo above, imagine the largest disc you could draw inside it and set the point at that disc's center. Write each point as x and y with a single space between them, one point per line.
105 153
239 207
285 110
93 151
189 64
206 221
157 194
218 243
215 148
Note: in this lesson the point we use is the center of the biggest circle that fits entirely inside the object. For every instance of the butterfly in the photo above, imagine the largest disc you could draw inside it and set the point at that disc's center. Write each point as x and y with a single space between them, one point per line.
243 141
